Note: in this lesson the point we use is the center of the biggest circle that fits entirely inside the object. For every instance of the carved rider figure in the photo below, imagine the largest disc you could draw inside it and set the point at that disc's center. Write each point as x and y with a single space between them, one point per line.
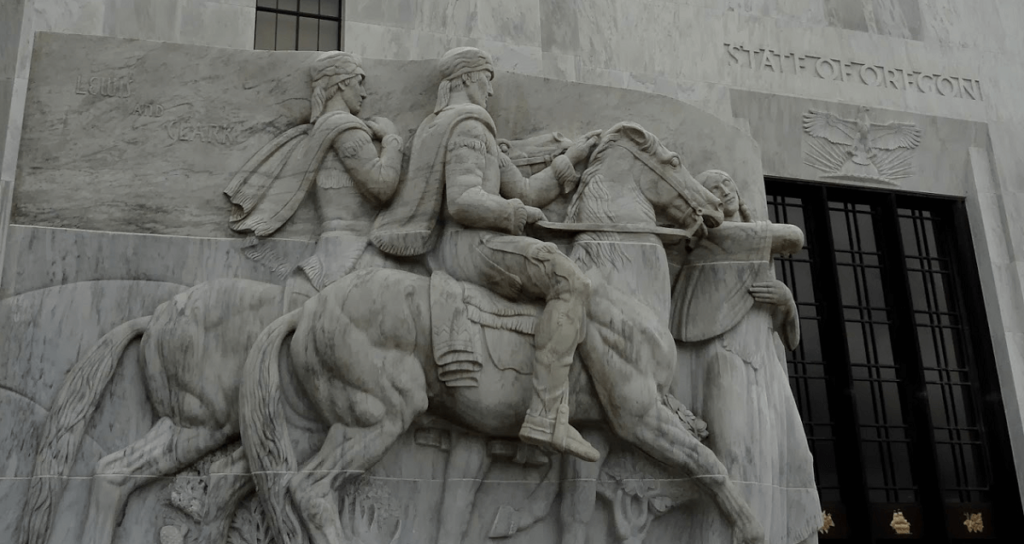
336 156
466 204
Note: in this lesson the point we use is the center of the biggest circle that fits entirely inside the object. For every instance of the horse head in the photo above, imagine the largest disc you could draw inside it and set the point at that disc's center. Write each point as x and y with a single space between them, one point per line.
628 162
535 153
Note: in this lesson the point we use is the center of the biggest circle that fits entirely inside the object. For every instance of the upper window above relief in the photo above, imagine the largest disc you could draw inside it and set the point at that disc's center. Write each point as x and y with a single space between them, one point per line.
299 25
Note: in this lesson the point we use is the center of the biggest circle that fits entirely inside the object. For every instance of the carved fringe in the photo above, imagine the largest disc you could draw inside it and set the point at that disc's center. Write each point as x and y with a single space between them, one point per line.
259 251
524 324
314 271
75 404
264 429
475 145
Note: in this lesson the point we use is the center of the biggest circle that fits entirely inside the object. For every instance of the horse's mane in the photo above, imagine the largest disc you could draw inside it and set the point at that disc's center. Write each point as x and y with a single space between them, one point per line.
591 182
591 201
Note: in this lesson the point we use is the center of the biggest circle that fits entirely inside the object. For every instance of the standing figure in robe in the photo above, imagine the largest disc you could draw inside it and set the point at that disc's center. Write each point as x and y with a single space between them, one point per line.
727 309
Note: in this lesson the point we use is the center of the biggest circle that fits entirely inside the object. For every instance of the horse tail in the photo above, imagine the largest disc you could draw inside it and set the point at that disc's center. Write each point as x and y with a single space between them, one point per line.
264 431
74 406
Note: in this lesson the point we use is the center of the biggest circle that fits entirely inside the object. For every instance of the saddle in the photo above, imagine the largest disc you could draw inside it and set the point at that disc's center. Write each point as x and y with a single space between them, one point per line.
465 319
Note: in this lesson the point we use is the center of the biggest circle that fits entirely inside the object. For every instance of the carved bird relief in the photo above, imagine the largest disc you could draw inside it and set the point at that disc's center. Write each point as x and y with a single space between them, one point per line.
860 150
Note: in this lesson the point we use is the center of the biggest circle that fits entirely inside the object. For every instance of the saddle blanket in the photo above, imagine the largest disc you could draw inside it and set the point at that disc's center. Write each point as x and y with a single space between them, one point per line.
465 319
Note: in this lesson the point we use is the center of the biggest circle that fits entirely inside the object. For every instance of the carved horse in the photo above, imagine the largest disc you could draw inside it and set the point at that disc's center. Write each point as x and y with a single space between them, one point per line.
193 349
362 355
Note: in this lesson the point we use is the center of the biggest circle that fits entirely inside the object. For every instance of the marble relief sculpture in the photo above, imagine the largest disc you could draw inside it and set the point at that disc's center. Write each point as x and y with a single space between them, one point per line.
441 300
727 309
196 343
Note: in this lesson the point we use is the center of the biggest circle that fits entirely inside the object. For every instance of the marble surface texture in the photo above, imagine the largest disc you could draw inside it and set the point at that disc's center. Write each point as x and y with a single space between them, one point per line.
603 43
120 231
140 163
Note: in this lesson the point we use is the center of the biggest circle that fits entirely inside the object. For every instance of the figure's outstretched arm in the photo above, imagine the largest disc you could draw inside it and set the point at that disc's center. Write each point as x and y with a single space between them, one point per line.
544 187
375 176
786 239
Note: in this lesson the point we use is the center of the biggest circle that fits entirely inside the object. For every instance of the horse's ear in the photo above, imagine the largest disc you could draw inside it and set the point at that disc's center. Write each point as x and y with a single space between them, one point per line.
634 132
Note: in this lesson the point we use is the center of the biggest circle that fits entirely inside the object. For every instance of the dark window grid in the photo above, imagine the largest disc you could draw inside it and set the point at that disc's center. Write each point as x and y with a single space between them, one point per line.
802 373
958 432
960 442
878 427
879 408
948 382
822 447
858 252
885 439
951 381
867 314
300 11
806 362
875 378
930 267
868 366
851 208
794 260
891 487
299 14
867 321
921 261
787 266
937 313
927 321
860 266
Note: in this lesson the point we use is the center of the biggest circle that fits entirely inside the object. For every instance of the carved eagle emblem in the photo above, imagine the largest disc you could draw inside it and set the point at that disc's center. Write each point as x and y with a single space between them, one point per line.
858 149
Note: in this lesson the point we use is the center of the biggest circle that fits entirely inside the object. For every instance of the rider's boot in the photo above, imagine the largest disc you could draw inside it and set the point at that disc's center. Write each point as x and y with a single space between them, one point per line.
547 421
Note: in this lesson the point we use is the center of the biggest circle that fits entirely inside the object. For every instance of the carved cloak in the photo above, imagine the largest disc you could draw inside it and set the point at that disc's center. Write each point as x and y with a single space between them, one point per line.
268 189
711 294
411 225
737 382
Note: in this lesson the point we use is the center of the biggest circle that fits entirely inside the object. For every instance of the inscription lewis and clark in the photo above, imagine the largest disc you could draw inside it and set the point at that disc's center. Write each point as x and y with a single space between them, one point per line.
872 75
119 87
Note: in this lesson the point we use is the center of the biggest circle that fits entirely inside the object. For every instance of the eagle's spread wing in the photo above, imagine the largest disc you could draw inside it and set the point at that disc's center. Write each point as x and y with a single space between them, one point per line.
822 124
894 135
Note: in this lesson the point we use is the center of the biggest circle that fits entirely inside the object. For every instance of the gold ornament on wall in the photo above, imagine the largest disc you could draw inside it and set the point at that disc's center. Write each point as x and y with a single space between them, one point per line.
974 522
826 522
899 523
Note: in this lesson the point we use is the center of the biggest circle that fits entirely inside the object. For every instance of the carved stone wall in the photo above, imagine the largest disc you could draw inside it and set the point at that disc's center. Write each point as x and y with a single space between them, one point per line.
117 207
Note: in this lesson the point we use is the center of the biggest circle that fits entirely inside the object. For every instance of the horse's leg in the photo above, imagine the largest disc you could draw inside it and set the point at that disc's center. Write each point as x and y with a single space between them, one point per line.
467 464
579 490
347 452
229 483
164 450
661 433
623 357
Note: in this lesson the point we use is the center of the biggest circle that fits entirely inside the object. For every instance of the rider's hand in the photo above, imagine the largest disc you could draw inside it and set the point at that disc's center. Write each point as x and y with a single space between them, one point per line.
582 148
381 127
771 292
534 214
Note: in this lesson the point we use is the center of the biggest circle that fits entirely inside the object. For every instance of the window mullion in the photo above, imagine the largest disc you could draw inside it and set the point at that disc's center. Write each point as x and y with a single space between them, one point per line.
911 372
835 350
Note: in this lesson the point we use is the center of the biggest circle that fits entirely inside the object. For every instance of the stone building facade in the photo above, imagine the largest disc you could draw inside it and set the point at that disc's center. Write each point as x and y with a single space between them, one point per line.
904 112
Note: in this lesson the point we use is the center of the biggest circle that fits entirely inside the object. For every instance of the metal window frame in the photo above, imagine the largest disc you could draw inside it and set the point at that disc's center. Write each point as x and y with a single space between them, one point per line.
940 524
340 19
